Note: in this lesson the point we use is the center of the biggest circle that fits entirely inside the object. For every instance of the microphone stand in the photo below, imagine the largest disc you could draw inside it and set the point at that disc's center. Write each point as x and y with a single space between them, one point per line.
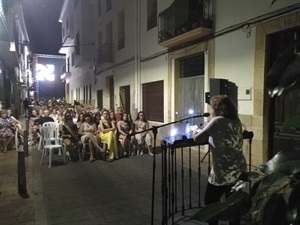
154 131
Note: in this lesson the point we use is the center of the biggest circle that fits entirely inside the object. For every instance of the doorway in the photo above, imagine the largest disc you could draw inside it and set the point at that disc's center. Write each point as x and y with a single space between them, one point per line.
111 93
282 107
100 99
125 98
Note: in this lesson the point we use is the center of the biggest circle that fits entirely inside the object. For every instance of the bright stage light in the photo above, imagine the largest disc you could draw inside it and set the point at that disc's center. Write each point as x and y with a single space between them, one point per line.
173 132
45 72
191 111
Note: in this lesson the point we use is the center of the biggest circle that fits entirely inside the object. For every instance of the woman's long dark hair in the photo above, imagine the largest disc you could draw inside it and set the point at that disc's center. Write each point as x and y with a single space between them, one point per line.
138 117
222 105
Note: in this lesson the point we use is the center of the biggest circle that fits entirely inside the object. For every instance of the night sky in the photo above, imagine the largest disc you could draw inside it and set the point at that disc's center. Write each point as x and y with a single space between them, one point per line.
44 30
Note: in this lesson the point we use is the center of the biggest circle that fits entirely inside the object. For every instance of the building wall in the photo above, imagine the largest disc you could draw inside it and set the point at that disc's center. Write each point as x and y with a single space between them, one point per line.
236 53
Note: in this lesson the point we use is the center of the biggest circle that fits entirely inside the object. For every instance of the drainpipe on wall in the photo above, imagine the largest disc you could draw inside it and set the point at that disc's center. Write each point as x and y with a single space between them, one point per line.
137 59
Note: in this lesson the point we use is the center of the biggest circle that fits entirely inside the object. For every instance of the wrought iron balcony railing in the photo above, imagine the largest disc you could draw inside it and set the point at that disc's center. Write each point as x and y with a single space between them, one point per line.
182 17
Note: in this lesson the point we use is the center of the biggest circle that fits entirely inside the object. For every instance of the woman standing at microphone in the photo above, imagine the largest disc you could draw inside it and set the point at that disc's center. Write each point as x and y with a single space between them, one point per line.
225 135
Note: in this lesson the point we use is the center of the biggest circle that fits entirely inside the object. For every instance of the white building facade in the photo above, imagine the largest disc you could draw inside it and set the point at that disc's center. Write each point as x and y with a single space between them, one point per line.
159 56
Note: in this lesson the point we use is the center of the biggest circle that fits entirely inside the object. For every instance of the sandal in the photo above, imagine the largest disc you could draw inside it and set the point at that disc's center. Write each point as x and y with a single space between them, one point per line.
92 160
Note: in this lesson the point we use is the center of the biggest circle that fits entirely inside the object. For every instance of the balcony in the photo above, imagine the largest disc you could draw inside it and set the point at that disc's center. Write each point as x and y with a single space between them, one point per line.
184 22
105 55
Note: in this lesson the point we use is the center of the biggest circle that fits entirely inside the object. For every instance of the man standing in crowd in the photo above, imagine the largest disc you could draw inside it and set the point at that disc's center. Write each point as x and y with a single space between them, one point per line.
26 105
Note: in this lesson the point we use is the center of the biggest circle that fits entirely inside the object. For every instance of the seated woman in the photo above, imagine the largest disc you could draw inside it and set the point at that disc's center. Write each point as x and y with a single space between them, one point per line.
125 128
141 124
6 130
80 119
34 126
70 137
87 132
107 135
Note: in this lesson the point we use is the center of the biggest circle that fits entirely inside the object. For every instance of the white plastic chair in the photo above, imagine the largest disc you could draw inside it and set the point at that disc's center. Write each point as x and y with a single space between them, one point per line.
51 141
47 124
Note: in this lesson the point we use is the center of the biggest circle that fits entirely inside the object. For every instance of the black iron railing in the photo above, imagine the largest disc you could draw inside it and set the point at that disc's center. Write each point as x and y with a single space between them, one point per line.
184 177
183 16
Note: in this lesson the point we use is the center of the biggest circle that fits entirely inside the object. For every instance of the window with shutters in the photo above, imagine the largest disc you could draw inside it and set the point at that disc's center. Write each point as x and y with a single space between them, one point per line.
192 66
153 100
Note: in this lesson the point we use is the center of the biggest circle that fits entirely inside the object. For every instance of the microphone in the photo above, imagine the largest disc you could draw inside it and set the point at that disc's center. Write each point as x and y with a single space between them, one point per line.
201 115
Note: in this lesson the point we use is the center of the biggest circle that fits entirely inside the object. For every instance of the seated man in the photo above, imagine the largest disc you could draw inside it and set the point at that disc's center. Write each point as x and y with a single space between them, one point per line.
45 118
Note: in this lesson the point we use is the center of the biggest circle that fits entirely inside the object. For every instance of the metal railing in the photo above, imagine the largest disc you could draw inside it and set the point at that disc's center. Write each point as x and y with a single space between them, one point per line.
184 177
183 16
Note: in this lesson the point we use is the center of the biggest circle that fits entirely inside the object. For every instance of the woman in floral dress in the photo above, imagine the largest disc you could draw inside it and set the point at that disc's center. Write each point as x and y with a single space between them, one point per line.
6 130
141 124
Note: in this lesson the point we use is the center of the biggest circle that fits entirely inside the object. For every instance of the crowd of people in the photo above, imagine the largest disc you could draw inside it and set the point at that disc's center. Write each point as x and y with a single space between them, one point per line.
124 136
94 128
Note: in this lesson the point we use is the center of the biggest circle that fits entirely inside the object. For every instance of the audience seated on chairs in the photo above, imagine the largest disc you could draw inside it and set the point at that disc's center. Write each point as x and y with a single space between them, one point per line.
125 128
88 131
141 124
70 137
6 130
107 135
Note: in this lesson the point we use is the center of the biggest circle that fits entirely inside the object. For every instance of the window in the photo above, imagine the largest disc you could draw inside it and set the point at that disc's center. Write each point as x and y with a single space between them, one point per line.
151 14
73 58
121 30
153 101
108 5
99 39
84 89
68 65
90 90
99 8
67 24
77 46
192 66
75 3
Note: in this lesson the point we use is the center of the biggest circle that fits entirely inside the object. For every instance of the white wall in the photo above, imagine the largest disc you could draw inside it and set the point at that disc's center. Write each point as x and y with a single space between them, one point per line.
234 60
149 39
231 12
